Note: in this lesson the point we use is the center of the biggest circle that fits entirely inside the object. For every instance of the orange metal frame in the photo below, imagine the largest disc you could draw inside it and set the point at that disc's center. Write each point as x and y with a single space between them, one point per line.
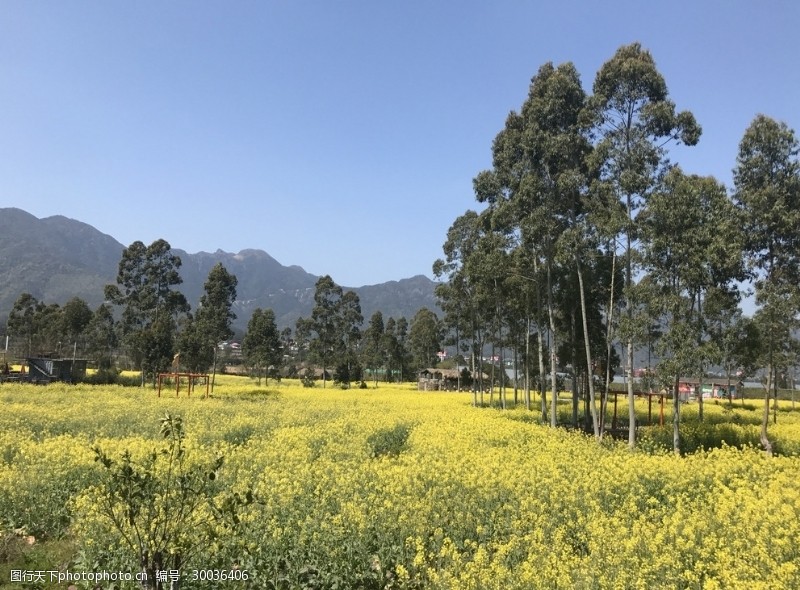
190 379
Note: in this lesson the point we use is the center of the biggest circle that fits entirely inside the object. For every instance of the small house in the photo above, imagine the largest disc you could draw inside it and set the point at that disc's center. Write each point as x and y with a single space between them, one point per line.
45 370
712 388
433 379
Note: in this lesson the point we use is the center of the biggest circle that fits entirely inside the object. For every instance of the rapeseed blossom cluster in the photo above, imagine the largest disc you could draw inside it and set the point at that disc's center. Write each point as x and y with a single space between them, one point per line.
471 499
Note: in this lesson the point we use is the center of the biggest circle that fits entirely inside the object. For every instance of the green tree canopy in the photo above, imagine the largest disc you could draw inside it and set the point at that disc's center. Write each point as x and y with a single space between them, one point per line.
212 322
333 331
425 339
767 189
634 120
144 289
261 346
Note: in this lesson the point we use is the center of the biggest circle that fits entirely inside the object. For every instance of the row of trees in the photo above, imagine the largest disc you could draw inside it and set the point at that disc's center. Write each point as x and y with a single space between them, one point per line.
143 314
332 340
154 322
591 236
332 337
63 330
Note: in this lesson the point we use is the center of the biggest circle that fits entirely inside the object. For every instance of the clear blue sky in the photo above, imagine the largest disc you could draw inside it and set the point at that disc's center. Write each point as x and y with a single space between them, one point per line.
339 136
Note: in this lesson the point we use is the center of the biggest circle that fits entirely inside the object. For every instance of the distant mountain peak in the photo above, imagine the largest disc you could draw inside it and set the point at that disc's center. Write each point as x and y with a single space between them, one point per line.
252 253
57 258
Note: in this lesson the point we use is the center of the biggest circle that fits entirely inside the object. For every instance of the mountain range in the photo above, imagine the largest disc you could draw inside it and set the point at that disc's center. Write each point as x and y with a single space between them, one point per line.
57 258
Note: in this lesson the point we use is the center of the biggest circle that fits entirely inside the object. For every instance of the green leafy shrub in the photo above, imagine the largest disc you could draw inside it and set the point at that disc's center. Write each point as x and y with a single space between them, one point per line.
389 441
162 508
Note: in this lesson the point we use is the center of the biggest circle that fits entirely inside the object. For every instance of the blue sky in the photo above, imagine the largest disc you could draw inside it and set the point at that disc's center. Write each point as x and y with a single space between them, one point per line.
339 136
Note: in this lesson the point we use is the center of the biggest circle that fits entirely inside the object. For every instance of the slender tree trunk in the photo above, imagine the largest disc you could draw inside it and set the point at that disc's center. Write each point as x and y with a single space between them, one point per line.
478 350
765 418
609 343
491 380
553 363
629 339
214 370
770 376
587 410
676 416
516 372
502 373
553 384
542 392
775 399
588 347
574 360
700 386
472 361
699 344
728 390
528 365
458 349
575 399
631 399
499 337
481 384
540 339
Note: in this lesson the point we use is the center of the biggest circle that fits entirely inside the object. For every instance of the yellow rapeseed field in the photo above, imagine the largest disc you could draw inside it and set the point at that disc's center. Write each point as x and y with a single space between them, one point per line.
394 488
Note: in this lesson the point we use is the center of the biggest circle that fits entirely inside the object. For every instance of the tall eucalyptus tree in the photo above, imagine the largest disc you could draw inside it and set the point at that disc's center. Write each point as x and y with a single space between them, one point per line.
144 288
373 352
334 329
395 341
767 188
540 174
349 320
466 294
634 120
425 338
692 253
455 322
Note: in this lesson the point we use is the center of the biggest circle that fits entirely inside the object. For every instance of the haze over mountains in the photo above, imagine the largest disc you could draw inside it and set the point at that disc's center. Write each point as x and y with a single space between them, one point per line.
56 258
